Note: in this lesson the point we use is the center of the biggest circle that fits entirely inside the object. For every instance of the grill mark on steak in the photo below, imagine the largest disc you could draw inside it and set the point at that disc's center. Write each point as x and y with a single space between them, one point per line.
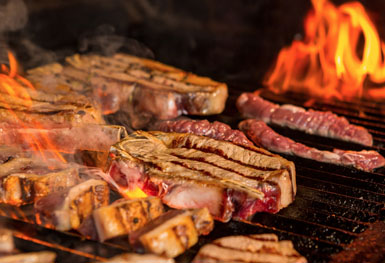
201 159
167 165
250 249
187 143
218 171
221 153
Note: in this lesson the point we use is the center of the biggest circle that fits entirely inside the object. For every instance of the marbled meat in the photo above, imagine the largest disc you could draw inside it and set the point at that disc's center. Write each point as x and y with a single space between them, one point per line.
263 135
322 123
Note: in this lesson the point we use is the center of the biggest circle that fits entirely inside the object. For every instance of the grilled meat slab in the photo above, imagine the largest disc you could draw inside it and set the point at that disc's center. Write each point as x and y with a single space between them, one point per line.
263 248
92 137
326 124
172 233
143 88
138 258
190 171
67 209
263 135
125 216
32 257
25 188
48 108
216 130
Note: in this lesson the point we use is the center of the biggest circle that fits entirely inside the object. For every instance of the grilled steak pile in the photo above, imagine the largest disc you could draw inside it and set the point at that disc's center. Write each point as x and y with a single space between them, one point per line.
190 171
263 135
173 232
263 248
125 216
216 130
325 124
122 81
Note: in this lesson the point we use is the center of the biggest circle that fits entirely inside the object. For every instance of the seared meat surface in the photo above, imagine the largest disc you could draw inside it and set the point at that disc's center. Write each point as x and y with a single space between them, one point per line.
7 245
321 123
68 209
190 171
143 88
216 130
263 135
25 188
31 257
93 137
262 248
173 232
125 216
139 258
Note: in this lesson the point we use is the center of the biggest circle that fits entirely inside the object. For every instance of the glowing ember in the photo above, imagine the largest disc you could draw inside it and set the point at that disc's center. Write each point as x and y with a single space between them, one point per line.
132 194
328 63
17 87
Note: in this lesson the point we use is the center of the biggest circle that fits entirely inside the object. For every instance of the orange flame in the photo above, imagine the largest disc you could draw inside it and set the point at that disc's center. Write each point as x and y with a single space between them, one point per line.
328 63
16 86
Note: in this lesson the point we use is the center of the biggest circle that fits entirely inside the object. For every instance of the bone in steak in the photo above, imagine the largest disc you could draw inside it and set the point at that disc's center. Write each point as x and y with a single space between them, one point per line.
122 81
190 171
263 135
138 258
216 130
262 248
125 216
67 209
321 123
173 232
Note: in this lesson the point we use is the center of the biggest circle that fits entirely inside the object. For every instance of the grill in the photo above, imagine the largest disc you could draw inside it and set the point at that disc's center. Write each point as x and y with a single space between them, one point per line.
337 216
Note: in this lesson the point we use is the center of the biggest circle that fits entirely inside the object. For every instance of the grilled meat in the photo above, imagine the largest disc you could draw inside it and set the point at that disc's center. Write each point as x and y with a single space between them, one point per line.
32 257
143 88
190 171
125 216
263 248
65 139
138 258
67 209
321 123
172 233
6 241
216 130
48 108
25 188
263 135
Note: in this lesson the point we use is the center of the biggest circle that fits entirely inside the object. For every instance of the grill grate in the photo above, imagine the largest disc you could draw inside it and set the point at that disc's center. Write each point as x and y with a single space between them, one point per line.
334 206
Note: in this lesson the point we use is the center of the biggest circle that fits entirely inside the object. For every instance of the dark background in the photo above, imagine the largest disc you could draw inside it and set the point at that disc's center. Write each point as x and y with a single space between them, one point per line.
231 41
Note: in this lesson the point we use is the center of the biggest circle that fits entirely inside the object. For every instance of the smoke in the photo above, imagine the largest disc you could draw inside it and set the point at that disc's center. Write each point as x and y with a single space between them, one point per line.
105 41
13 15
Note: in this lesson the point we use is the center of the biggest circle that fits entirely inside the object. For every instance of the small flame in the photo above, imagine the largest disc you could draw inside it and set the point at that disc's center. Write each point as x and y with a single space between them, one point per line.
13 84
133 194
328 62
